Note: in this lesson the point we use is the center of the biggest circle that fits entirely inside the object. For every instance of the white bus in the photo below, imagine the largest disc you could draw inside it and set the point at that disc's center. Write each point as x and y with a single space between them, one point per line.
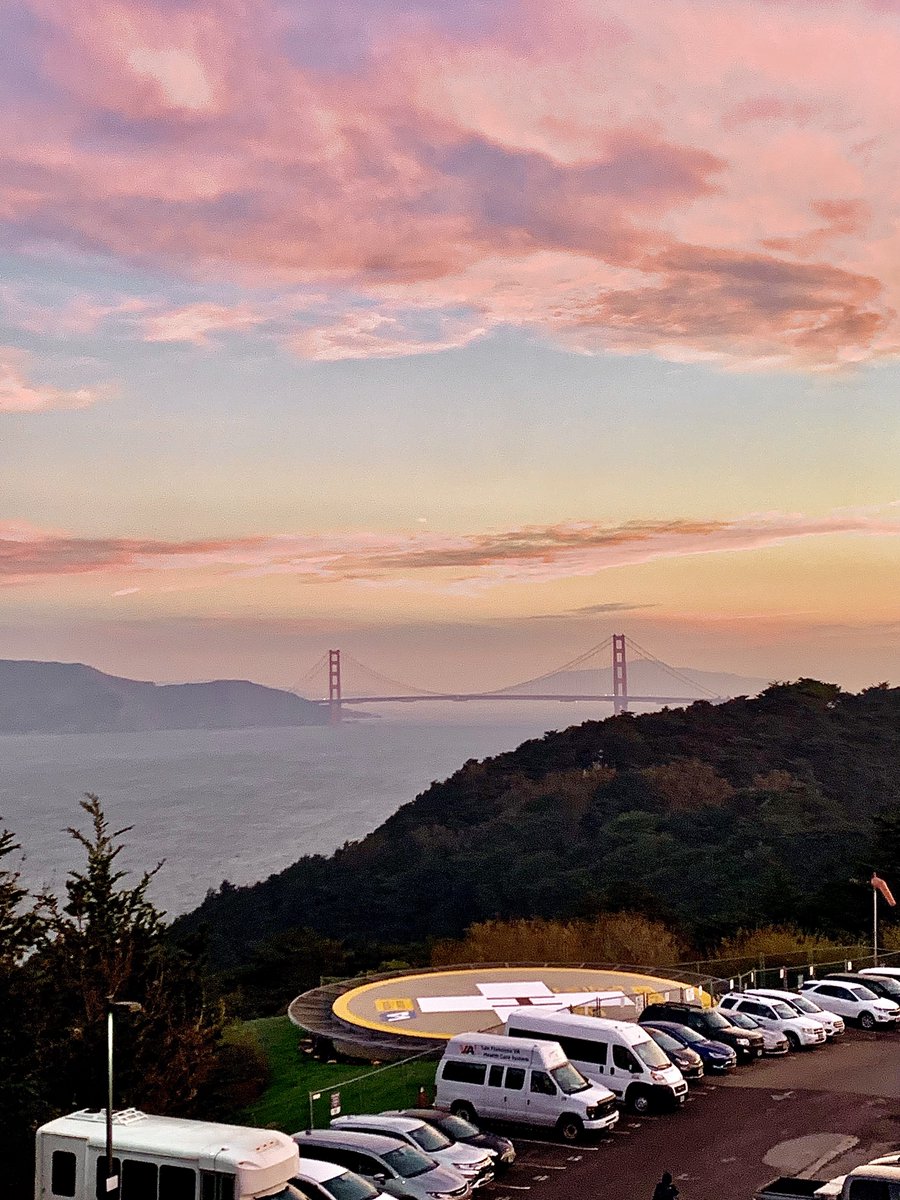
162 1158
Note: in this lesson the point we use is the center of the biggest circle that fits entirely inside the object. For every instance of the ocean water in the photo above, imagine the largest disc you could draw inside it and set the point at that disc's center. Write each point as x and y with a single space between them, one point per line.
225 804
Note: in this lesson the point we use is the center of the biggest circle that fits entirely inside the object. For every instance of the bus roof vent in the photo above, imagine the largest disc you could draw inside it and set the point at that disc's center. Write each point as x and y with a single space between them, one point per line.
122 1116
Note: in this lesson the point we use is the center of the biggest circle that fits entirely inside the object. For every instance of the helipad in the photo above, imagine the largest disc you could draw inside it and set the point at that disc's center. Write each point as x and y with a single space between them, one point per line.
439 1004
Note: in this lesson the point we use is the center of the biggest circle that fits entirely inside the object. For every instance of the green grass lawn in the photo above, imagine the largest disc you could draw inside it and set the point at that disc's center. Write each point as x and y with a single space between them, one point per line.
285 1103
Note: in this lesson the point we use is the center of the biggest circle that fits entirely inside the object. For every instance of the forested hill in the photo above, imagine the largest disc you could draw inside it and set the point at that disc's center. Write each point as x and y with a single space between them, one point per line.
713 817
52 697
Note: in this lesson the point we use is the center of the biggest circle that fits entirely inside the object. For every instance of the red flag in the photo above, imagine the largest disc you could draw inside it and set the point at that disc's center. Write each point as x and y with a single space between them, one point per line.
878 882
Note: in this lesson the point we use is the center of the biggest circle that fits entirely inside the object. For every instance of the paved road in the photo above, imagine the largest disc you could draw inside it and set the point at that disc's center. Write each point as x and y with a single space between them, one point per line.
817 1113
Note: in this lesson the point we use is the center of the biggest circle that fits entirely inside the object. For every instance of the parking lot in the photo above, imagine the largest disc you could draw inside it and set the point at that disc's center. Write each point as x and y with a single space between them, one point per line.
814 1113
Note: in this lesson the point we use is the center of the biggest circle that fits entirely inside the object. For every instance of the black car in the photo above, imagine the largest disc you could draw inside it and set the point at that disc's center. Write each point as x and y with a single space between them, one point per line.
748 1044
688 1061
459 1130
885 987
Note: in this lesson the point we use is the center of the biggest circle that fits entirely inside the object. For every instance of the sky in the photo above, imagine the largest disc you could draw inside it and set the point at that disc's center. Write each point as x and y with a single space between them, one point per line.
457 334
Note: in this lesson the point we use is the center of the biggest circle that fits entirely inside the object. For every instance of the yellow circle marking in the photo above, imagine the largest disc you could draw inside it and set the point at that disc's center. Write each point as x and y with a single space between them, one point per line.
341 1006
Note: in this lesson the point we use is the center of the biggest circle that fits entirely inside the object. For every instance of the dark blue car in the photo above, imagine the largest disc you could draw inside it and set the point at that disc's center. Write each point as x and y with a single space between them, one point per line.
716 1055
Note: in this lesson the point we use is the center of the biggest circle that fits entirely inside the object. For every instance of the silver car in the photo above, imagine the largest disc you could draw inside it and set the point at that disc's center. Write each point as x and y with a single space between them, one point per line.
387 1163
476 1165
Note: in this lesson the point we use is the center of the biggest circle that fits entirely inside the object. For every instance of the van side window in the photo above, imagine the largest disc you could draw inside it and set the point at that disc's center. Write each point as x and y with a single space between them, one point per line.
100 1189
542 1083
625 1059
177 1183
463 1072
495 1079
139 1180
583 1050
515 1078
215 1185
62 1173
869 1189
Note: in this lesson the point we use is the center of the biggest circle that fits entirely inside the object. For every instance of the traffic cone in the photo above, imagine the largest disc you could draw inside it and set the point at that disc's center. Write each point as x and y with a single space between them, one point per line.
422 1100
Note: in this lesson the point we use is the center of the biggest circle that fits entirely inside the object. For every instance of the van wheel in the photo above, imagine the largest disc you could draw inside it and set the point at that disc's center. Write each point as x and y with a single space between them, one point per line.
570 1128
638 1100
866 1021
463 1110
793 1040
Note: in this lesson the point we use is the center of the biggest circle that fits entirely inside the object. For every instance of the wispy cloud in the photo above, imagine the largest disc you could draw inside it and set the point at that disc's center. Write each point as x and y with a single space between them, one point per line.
540 165
534 553
19 394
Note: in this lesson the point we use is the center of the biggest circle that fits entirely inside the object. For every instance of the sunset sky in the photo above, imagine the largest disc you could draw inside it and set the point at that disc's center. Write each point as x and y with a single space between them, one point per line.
456 333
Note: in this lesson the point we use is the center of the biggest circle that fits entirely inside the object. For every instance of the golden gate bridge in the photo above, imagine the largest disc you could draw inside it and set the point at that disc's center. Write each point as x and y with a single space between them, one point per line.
376 688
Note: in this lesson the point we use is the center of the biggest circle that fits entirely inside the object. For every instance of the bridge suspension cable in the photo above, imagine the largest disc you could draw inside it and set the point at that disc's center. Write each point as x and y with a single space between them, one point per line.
569 666
396 683
673 671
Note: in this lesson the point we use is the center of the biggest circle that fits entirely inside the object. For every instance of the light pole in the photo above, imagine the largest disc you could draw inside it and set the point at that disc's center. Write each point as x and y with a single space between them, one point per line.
112 1181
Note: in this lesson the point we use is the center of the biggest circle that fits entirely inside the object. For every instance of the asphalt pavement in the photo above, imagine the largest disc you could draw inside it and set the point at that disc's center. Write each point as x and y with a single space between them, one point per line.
815 1113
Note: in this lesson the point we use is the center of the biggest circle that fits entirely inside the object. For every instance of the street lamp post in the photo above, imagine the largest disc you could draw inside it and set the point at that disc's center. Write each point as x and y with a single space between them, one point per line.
112 1181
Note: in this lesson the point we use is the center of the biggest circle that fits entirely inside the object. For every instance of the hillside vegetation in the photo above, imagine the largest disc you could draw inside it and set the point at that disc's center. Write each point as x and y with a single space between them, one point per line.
711 819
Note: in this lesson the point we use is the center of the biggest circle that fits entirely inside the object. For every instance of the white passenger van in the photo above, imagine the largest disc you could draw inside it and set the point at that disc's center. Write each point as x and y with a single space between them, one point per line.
508 1079
617 1054
162 1158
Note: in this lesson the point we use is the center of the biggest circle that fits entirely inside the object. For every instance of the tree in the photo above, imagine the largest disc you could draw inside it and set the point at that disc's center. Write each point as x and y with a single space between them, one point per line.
22 928
59 963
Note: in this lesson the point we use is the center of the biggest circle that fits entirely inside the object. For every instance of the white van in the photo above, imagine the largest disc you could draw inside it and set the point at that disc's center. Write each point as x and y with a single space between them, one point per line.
888 972
508 1079
617 1054
164 1157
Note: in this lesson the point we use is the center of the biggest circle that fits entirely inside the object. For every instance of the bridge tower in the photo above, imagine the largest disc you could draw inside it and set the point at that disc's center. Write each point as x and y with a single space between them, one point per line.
334 687
620 674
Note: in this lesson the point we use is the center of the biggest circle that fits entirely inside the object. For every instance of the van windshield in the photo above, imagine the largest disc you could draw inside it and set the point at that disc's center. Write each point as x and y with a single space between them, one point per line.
650 1054
428 1138
408 1162
569 1079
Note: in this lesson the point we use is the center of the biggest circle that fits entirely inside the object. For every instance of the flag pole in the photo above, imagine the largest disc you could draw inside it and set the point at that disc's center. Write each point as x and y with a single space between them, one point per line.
874 926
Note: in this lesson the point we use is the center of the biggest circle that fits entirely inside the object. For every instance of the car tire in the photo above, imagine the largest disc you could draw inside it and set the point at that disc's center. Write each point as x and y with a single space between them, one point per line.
793 1040
570 1128
639 1100
464 1110
866 1020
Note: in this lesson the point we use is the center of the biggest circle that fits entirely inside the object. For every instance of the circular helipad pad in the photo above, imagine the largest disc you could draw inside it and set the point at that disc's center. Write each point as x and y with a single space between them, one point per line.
439 1004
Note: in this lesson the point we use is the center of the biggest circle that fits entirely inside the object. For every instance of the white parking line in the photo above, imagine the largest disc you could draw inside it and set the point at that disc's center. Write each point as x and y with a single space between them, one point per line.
547 1167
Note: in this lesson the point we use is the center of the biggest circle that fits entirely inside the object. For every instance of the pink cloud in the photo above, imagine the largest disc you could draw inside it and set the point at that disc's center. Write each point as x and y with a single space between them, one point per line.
18 394
571 151
378 335
195 322
535 553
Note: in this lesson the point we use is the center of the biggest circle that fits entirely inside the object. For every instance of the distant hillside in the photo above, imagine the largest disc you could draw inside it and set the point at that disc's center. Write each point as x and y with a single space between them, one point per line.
648 679
715 817
51 697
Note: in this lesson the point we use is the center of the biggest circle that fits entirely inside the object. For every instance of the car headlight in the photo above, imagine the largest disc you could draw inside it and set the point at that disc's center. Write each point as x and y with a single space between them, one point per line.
743 1042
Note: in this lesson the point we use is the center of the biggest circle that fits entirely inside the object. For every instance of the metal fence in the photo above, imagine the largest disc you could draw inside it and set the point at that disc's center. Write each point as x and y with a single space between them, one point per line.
394 1085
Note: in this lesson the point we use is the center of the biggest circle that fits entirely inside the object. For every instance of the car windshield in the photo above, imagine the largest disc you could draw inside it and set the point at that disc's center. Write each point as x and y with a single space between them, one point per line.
783 1010
886 987
408 1162
691 1035
804 1004
569 1079
741 1020
715 1019
455 1127
428 1138
863 993
665 1042
291 1193
350 1187
648 1052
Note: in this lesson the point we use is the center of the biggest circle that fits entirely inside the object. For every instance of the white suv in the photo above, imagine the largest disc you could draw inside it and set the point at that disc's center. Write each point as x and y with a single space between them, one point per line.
854 1001
778 1016
805 1006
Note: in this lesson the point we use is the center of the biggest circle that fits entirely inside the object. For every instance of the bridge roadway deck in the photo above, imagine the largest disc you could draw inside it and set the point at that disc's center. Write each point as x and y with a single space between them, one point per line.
566 699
